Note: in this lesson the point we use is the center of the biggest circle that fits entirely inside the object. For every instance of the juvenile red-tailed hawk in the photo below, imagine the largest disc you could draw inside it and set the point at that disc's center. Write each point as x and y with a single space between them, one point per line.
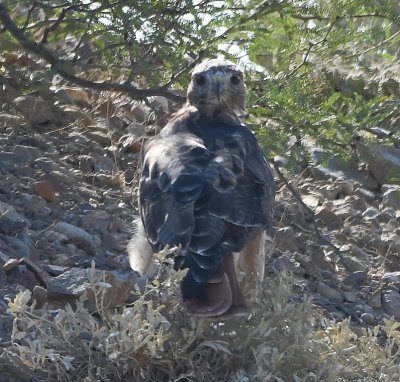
207 187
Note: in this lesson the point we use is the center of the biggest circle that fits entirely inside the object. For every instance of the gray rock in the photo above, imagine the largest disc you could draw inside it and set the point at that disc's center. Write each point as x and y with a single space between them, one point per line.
370 213
349 296
76 235
36 110
33 203
383 162
26 153
96 220
356 277
375 300
392 278
71 284
368 318
44 164
391 303
285 240
11 221
391 197
9 157
330 293
18 247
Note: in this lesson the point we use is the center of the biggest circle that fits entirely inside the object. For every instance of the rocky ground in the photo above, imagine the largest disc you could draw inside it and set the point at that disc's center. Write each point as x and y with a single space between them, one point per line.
68 165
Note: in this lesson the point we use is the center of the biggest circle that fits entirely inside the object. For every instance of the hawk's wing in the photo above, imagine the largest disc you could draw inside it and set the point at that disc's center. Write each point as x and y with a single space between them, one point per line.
207 187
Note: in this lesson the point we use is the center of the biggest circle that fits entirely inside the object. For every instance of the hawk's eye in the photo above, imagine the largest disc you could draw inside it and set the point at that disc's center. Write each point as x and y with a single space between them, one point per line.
235 80
200 80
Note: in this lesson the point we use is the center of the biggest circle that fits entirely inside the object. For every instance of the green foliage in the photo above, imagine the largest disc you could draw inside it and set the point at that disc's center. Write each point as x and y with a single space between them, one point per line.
320 73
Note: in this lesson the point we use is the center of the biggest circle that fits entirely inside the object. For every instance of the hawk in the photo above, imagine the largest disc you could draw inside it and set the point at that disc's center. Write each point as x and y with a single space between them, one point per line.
207 188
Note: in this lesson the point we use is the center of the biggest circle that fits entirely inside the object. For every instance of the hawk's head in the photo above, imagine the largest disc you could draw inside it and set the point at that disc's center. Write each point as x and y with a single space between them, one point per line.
217 86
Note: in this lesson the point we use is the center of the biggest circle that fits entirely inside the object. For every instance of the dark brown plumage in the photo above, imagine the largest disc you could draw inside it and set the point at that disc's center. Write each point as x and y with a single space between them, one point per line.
207 187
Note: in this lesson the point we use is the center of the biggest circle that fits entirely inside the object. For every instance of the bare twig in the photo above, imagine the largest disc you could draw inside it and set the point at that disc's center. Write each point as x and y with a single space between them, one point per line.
311 45
55 25
310 213
65 69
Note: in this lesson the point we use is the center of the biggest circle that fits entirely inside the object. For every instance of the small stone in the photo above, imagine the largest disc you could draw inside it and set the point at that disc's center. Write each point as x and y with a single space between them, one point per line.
391 303
96 220
286 240
11 222
23 276
370 213
44 164
391 197
375 300
26 153
54 270
349 296
11 158
45 189
330 293
3 307
139 113
105 180
367 195
71 284
76 116
33 203
59 176
310 200
10 264
36 110
78 96
368 318
383 162
102 138
392 278
17 246
327 217
76 235
345 211
40 296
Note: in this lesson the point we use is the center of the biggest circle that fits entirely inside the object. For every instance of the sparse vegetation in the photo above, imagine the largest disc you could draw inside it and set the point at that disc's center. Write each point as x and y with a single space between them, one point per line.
320 74
285 339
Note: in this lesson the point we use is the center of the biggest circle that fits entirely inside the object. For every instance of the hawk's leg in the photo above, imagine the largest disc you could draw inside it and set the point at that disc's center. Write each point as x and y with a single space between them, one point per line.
251 263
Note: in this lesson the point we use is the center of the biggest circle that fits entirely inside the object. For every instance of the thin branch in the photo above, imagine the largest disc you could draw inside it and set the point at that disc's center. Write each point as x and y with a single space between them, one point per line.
310 213
311 45
65 69
55 25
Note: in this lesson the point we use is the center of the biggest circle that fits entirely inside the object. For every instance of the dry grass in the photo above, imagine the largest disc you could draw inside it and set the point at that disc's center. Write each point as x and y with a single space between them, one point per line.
284 339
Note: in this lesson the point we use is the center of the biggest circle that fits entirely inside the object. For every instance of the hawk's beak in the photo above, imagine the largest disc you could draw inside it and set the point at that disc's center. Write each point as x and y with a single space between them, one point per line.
218 87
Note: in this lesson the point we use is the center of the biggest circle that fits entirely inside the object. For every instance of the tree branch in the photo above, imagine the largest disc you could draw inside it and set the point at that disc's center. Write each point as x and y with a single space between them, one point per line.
65 69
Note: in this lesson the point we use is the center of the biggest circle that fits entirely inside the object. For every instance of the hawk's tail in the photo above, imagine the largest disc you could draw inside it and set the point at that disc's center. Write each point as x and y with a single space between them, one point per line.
219 296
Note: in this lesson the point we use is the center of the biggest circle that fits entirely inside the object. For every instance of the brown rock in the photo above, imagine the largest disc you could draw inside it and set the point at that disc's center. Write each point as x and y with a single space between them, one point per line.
327 217
45 189
78 96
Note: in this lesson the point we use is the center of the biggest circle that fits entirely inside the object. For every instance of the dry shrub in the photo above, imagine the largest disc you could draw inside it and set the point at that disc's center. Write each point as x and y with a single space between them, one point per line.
285 339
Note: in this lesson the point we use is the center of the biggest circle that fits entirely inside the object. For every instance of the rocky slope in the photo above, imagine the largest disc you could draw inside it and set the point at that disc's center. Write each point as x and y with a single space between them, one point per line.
68 165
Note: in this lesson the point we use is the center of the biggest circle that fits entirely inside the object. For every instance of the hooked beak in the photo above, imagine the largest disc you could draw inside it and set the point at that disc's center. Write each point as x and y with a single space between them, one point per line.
218 88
